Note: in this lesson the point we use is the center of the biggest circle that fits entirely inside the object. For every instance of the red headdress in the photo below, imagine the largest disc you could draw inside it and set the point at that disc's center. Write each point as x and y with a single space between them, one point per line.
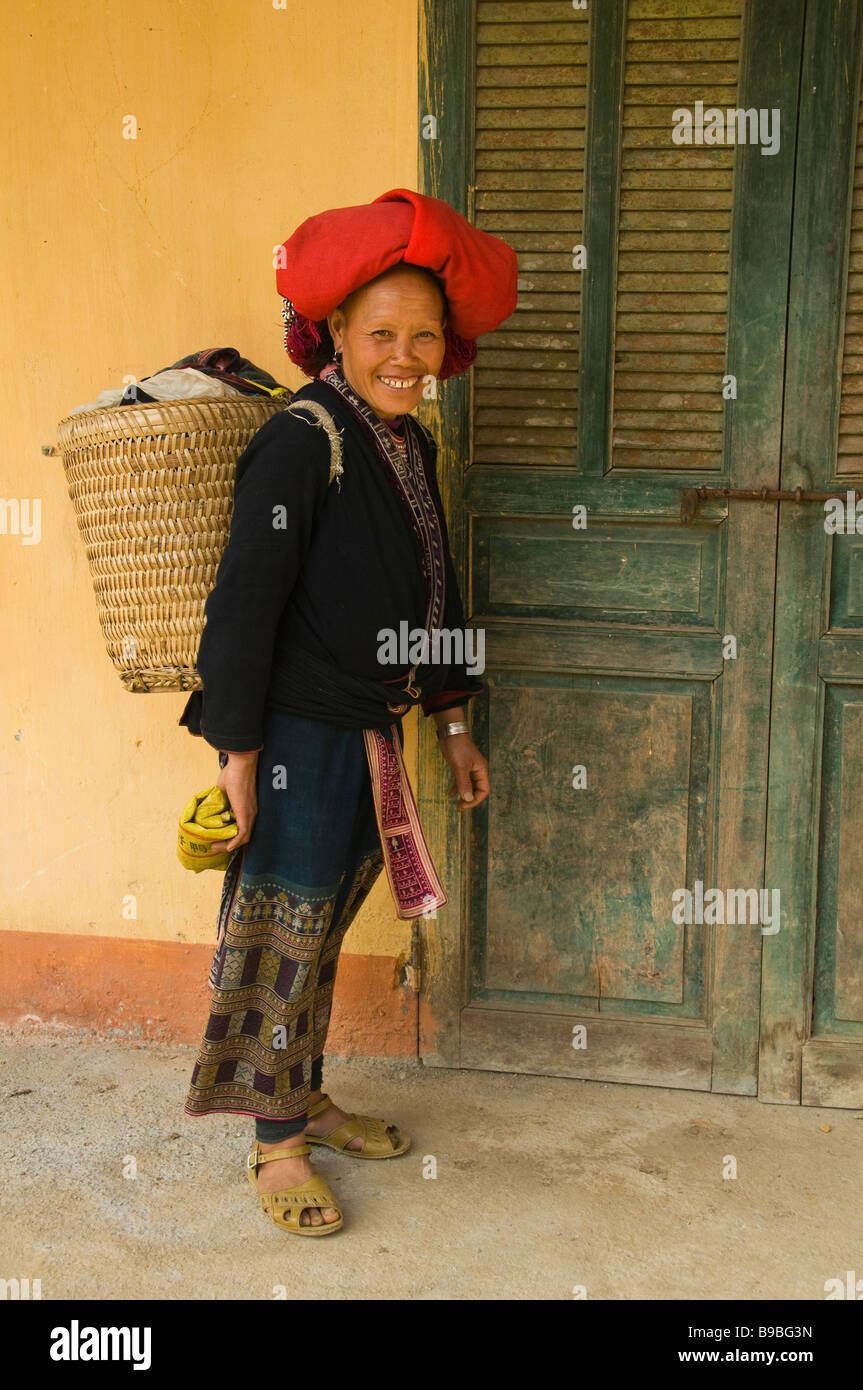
334 253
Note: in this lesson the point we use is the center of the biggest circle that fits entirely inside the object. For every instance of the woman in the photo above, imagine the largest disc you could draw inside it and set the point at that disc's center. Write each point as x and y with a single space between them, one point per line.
337 538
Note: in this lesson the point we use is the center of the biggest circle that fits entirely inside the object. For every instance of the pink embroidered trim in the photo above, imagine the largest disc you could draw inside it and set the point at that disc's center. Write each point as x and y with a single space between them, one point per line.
414 882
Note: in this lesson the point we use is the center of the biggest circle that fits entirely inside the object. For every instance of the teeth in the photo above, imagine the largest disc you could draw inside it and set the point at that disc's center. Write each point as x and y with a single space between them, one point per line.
400 383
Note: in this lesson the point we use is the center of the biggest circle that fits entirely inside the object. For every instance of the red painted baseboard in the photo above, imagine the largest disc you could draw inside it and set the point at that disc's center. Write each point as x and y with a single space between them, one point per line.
157 991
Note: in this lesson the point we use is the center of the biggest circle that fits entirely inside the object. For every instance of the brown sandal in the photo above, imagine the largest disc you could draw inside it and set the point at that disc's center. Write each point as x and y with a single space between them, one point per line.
289 1204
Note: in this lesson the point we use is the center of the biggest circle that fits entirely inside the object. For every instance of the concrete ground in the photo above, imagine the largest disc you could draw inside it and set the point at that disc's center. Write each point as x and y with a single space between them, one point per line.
543 1186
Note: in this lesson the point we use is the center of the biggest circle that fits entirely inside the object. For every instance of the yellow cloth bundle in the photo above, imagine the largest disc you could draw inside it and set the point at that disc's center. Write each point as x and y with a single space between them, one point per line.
207 819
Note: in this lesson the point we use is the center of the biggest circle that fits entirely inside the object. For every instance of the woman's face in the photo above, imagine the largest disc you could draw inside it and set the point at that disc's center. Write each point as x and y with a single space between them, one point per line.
391 335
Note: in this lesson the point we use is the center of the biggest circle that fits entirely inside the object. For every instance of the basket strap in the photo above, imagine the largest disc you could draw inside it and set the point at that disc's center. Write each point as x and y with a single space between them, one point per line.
322 418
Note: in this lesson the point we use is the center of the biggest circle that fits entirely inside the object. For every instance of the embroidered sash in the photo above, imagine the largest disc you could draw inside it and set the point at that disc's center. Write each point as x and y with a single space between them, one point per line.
413 879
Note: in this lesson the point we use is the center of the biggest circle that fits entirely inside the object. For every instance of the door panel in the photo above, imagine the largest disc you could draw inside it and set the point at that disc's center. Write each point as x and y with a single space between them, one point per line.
596 928
812 993
650 575
624 620
605 646
837 1002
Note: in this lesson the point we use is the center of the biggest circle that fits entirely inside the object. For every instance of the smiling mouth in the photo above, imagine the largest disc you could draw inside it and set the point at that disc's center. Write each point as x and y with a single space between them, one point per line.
399 383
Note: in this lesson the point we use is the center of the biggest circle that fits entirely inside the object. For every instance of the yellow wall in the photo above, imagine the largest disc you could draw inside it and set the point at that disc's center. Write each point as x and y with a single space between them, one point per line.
119 257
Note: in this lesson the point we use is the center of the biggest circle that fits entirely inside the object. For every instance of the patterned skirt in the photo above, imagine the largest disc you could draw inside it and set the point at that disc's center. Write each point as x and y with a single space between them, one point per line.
334 808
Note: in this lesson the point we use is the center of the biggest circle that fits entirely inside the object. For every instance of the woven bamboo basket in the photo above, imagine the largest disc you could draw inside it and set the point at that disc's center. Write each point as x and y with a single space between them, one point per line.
152 487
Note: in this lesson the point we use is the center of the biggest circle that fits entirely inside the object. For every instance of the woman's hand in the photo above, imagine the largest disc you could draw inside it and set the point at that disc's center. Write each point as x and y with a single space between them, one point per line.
470 768
238 780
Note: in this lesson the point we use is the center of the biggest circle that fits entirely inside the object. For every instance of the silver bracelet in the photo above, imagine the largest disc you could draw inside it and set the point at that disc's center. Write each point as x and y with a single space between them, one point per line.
459 727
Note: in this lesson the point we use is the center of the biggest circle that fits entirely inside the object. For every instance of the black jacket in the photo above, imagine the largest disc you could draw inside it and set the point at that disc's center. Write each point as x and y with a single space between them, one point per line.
294 617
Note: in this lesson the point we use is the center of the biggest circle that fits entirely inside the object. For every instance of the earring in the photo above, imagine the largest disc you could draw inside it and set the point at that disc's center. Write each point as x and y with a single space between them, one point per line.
338 356
289 313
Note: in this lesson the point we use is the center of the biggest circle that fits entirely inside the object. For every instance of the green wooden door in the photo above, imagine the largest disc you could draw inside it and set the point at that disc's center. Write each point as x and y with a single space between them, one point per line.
634 690
812 995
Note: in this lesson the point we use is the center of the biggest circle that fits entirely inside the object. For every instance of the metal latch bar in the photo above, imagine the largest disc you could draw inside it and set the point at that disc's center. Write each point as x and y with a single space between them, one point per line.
691 496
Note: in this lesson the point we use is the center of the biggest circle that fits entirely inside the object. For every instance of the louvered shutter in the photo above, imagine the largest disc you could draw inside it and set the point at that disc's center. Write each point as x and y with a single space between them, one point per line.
673 232
850 460
674 237
531 80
